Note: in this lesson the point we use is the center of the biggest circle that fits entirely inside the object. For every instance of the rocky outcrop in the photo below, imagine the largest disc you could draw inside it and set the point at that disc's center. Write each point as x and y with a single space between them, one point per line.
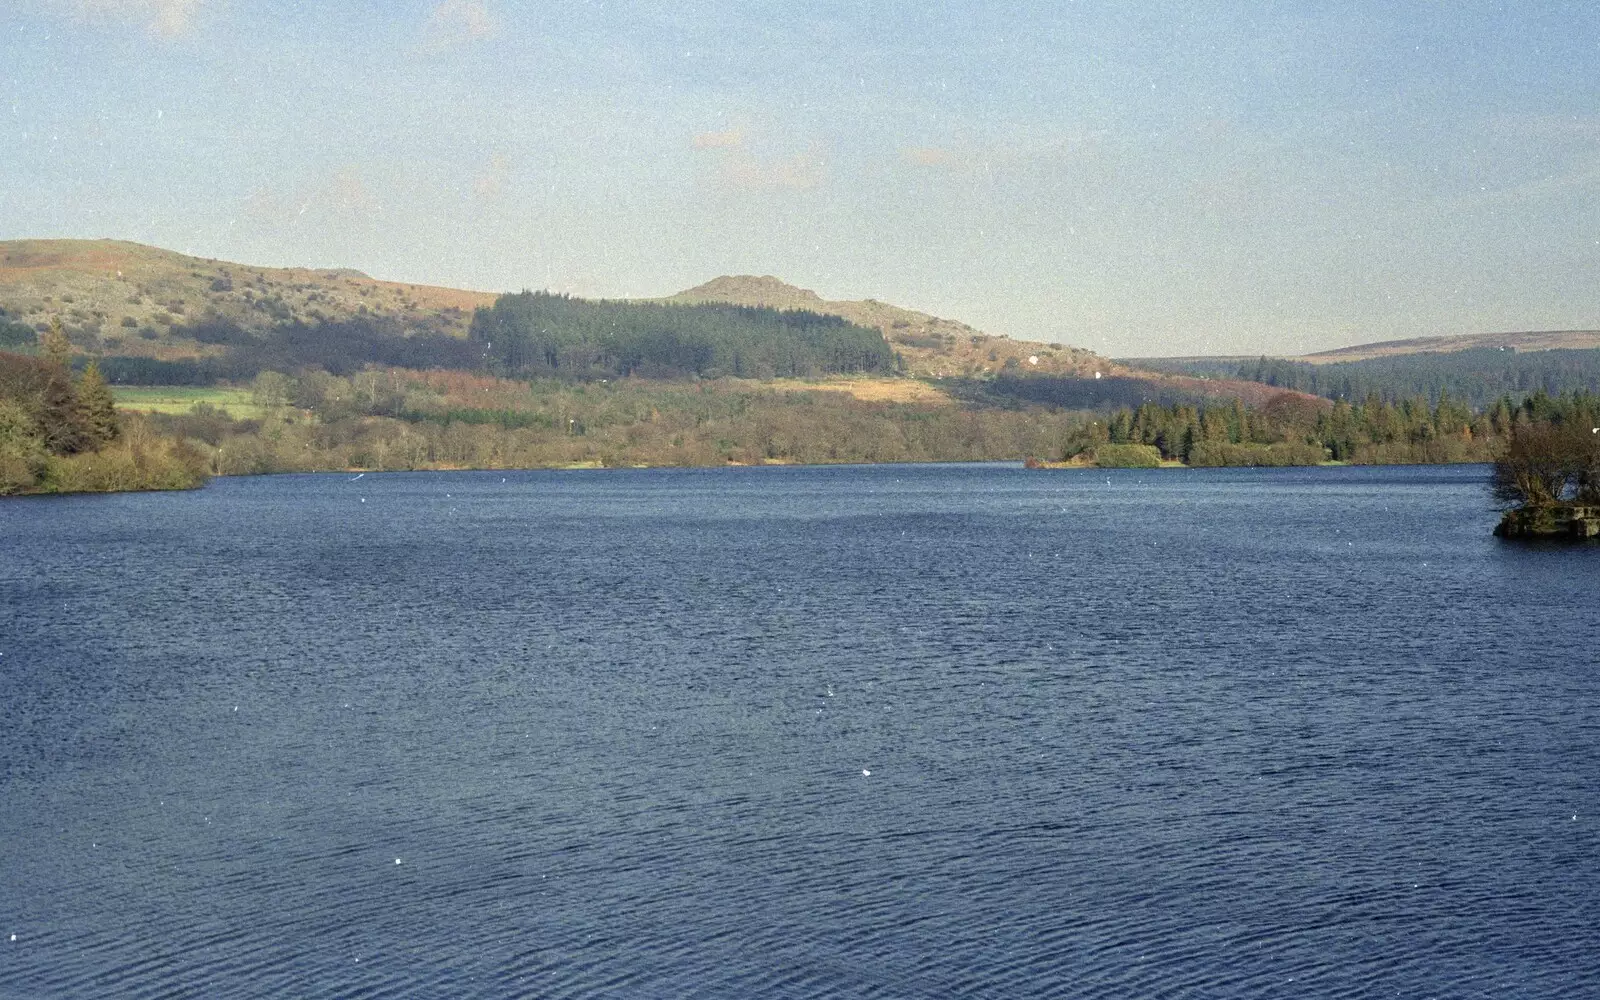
1558 522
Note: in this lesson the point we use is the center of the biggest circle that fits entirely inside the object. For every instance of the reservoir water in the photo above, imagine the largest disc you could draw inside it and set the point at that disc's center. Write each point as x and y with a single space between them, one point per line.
902 732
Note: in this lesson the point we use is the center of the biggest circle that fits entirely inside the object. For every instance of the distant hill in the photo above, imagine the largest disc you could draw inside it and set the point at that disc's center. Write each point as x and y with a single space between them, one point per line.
1476 376
159 317
1477 369
116 297
931 346
998 368
949 349
1542 340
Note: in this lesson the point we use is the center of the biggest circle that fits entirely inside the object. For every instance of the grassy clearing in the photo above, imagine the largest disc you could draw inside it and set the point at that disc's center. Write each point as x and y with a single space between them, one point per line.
867 389
182 398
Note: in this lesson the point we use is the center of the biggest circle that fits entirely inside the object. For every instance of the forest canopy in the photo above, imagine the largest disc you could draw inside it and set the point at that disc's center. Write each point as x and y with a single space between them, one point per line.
540 334
1477 377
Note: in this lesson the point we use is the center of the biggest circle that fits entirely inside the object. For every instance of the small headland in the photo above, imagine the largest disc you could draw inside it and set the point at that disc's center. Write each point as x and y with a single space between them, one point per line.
1547 479
1554 522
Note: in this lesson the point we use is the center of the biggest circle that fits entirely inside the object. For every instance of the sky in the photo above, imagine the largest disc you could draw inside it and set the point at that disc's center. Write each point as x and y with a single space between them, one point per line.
1137 178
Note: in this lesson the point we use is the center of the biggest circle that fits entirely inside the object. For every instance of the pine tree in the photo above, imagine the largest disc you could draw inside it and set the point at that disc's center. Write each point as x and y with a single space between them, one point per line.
55 345
99 407
61 417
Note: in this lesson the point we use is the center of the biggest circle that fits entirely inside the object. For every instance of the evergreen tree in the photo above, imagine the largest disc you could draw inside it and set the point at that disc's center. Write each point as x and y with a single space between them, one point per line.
62 422
22 457
98 406
55 346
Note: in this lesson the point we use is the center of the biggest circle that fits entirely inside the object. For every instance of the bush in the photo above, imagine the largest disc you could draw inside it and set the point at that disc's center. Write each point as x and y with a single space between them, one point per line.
1127 456
138 460
1216 454
14 334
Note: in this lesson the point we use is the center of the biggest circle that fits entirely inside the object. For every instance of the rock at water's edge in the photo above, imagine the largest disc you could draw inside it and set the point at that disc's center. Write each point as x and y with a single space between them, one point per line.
1557 521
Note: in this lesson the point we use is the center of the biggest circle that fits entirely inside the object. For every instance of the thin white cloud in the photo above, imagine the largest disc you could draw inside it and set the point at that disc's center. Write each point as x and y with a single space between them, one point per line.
340 198
459 22
743 168
491 183
929 156
967 155
728 139
800 172
1580 177
162 18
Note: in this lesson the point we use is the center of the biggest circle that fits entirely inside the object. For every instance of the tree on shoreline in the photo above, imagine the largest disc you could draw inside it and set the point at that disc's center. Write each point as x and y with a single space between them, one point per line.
98 407
62 421
1545 464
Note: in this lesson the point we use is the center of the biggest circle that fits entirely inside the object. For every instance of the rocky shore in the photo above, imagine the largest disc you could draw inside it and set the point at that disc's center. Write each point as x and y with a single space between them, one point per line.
1551 521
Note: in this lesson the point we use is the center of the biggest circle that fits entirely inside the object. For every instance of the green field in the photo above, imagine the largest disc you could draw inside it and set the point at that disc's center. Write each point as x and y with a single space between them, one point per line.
181 398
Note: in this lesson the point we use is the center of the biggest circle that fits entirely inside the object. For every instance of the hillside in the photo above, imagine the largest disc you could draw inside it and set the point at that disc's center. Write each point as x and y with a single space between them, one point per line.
1479 377
1544 340
932 347
116 297
146 311
996 368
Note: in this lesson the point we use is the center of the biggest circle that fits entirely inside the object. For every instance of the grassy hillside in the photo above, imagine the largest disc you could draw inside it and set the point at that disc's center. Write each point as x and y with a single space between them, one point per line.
119 298
932 347
156 317
988 370
1545 340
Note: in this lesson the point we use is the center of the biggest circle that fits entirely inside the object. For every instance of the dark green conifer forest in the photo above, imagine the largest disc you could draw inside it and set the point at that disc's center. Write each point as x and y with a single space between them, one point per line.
1477 377
539 334
1294 430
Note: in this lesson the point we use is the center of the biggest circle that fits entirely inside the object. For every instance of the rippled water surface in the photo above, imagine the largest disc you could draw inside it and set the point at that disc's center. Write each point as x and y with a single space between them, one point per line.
1305 733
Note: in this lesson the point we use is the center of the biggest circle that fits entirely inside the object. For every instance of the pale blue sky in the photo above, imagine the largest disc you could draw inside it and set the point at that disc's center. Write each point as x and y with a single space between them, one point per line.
1137 179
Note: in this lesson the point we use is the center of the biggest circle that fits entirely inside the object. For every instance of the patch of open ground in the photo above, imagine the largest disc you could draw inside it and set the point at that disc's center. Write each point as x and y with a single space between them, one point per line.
182 398
871 390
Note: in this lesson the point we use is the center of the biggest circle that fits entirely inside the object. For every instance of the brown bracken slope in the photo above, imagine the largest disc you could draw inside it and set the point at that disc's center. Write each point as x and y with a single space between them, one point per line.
125 298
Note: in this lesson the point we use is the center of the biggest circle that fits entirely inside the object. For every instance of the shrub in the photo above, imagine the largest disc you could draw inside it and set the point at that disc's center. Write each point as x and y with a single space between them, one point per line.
14 334
139 459
1127 456
1284 453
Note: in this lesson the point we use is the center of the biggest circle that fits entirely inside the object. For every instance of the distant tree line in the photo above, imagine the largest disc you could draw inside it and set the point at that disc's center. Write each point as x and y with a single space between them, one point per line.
540 334
1068 392
1294 430
1477 377
401 419
534 335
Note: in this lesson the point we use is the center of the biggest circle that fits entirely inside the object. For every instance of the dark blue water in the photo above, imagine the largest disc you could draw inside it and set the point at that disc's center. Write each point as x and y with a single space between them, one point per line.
1307 733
